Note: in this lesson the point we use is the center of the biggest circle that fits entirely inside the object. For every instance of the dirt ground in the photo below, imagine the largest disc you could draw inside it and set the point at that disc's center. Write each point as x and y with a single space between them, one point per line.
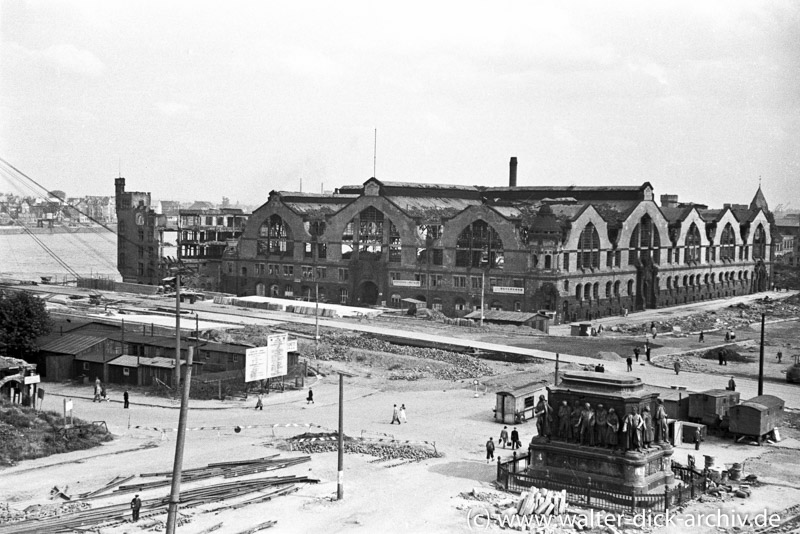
455 417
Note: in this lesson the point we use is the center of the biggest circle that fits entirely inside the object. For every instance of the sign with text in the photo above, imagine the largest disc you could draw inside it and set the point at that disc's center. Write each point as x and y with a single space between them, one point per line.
277 360
512 290
405 283
291 346
255 364
32 379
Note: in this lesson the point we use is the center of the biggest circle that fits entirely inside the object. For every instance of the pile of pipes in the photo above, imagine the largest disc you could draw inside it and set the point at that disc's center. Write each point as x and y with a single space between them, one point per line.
540 502
119 512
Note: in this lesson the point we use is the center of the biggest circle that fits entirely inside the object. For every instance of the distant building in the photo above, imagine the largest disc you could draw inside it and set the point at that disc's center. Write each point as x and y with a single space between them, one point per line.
580 252
138 254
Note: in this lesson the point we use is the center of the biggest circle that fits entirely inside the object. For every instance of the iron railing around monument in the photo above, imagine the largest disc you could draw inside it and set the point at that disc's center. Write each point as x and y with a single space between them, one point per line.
512 476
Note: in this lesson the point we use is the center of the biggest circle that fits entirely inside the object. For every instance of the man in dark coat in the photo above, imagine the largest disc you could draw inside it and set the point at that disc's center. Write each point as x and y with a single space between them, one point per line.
612 432
544 417
125 399
489 450
515 442
636 353
563 421
661 425
136 505
600 426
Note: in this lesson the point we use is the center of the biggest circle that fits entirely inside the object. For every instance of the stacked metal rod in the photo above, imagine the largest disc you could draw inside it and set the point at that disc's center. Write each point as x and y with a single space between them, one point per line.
269 487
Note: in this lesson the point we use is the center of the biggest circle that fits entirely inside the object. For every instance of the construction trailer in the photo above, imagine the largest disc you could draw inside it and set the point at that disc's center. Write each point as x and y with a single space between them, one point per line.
710 407
755 417
517 406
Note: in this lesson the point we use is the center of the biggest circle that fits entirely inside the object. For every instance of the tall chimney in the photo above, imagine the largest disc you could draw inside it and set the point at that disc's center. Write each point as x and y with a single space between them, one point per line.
512 172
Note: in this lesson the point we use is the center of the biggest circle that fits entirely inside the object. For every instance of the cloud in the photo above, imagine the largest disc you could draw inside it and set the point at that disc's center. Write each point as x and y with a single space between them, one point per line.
71 59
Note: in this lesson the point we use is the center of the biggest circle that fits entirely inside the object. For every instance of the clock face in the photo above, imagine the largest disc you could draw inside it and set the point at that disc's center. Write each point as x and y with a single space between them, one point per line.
140 219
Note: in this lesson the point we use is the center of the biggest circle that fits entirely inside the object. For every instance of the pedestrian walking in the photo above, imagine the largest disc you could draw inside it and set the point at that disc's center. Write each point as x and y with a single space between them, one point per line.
503 437
97 388
310 398
629 361
731 384
702 337
136 505
677 366
647 352
697 438
724 356
636 353
125 399
403 414
515 442
260 402
721 356
103 393
395 415
780 356
489 450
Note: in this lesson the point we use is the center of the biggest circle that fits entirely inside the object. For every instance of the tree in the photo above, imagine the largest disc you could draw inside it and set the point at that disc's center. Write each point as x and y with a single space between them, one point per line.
23 318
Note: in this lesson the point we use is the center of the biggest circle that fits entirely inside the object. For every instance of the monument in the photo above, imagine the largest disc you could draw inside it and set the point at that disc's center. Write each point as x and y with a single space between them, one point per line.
606 429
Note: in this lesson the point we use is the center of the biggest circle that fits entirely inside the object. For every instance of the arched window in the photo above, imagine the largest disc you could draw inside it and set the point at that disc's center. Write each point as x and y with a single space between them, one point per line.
759 243
727 244
370 233
274 237
669 282
566 286
589 248
437 303
479 245
608 289
685 280
587 292
343 295
692 245
596 291
645 240
630 288
616 288
578 292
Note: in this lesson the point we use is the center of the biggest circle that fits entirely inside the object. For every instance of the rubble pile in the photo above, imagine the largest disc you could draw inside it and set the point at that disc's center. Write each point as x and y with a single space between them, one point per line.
520 514
384 452
733 317
40 511
464 366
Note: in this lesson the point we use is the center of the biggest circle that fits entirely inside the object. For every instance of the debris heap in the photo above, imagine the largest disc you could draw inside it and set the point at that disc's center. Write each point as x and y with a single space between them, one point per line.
316 443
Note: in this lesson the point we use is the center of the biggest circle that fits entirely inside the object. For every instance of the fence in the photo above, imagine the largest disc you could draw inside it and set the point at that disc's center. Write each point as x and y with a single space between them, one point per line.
512 476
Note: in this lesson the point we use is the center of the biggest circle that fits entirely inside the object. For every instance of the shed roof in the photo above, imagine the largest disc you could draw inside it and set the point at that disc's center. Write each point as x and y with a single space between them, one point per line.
764 402
525 391
126 360
500 315
70 344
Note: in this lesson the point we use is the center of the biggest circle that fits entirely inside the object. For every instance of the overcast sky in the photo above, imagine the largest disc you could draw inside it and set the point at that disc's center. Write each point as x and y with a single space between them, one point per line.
200 100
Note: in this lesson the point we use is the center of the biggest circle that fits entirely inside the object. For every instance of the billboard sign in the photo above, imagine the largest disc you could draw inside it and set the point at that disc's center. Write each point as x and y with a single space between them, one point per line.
255 364
277 360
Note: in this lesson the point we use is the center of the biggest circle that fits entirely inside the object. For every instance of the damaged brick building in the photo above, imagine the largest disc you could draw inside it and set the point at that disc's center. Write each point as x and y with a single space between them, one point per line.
579 252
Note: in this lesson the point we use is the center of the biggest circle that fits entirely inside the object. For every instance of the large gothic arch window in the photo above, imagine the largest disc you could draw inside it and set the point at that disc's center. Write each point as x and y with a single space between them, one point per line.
692 245
274 237
645 240
589 248
759 243
727 243
479 245
370 233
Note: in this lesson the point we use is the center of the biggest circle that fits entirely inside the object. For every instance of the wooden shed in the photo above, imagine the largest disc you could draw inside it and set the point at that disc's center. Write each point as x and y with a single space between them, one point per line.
516 406
756 417
710 407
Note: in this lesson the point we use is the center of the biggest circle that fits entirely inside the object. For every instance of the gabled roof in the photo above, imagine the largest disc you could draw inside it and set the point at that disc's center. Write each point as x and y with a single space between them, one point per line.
759 201
71 344
126 360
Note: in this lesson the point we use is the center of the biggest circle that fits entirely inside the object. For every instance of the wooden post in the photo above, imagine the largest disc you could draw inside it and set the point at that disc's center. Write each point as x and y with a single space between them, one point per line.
175 493
761 362
666 498
340 470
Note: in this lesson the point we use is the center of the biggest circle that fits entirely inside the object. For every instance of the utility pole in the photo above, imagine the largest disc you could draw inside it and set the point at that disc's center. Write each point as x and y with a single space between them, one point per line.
314 255
761 359
178 312
175 493
555 379
340 474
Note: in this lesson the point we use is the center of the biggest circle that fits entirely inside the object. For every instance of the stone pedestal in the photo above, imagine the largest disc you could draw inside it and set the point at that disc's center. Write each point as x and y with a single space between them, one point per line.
625 472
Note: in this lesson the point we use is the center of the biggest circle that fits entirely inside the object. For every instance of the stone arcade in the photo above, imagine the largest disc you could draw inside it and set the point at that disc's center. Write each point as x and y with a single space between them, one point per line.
581 452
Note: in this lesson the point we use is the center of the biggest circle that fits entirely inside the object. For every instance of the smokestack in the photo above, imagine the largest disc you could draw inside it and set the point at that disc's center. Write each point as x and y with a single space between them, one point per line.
512 172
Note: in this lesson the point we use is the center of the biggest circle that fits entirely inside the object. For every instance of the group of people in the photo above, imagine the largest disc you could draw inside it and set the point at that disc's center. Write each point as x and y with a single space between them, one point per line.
100 394
512 440
602 427
399 414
